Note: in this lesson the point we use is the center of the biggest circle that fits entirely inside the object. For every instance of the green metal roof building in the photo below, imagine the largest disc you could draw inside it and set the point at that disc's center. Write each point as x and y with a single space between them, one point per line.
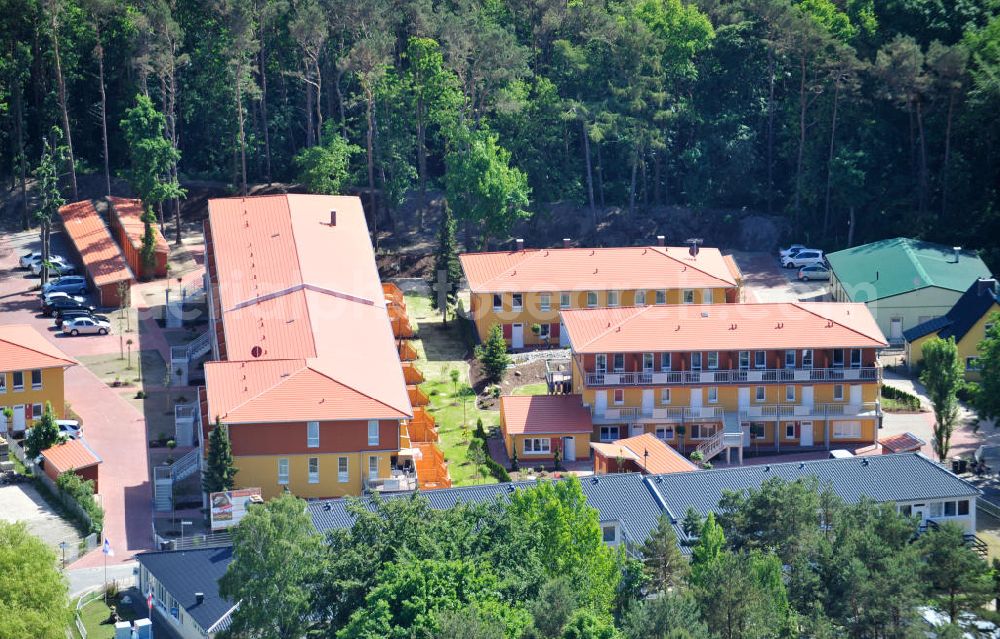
903 282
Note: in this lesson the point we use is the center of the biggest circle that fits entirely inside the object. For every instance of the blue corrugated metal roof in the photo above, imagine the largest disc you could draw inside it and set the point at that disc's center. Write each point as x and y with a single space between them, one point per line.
882 478
185 572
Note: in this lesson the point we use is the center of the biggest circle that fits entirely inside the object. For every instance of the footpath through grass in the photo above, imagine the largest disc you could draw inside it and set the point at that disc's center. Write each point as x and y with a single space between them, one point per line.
442 350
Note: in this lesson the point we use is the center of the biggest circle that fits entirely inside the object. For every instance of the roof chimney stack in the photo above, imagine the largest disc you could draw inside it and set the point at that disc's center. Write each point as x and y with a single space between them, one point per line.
986 286
199 598
958 252
566 242
333 217
520 244
661 240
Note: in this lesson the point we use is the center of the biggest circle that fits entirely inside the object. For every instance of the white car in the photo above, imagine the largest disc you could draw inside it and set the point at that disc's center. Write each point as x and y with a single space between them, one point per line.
791 250
57 264
805 257
814 272
69 428
28 258
48 297
86 326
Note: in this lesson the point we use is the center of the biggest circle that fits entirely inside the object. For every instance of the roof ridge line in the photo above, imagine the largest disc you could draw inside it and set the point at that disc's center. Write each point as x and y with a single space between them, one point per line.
526 257
908 249
798 304
667 255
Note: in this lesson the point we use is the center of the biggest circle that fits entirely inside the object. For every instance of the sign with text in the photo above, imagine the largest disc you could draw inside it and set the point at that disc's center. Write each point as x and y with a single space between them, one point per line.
228 508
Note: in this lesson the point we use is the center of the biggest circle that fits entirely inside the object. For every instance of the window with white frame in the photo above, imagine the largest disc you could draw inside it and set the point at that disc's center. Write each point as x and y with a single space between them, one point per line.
373 432
619 362
497 302
838 392
757 430
564 300
688 296
661 297
648 360
696 361
807 358
314 470
665 361
613 297
36 379
706 296
713 394
619 395
609 433
760 359
640 298
18 381
838 358
312 434
790 359
283 471
544 330
609 533
665 433
713 360
744 360
703 431
373 468
759 394
664 395
601 363
36 411
855 358
790 430
846 430
545 302
343 470
517 301
591 299
537 446
959 508
790 393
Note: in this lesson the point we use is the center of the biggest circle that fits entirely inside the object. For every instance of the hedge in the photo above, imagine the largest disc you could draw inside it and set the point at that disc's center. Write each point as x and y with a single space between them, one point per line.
908 400
82 491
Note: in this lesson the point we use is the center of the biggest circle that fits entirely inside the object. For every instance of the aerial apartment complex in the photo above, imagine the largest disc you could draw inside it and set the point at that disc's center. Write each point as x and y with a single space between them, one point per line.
524 290
724 378
306 373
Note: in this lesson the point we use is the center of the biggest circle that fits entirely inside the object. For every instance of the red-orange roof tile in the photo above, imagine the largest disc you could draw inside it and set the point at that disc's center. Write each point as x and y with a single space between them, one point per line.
129 212
544 414
24 348
583 269
100 254
293 286
901 443
691 327
660 460
70 454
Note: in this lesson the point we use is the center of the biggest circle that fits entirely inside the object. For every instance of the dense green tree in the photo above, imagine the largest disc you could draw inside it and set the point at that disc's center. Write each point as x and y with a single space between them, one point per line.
743 596
959 579
277 556
942 375
986 399
553 607
51 199
325 168
447 269
669 616
43 434
584 624
708 550
468 623
492 354
33 593
665 566
220 471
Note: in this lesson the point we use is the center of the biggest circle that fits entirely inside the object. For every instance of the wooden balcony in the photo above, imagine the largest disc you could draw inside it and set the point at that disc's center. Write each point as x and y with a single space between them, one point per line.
393 294
401 328
422 428
417 396
735 376
412 374
432 470
406 351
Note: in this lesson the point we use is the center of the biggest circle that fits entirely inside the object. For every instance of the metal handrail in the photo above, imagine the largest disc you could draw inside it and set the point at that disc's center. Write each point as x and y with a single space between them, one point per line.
732 376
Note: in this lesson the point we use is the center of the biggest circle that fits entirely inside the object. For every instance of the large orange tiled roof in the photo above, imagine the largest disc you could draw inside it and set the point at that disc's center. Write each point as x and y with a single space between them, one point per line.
660 459
544 414
584 269
70 454
24 348
129 212
294 287
698 327
101 256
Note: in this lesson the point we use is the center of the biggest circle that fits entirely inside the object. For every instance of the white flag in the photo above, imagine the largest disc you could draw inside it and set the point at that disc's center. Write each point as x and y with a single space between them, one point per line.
107 549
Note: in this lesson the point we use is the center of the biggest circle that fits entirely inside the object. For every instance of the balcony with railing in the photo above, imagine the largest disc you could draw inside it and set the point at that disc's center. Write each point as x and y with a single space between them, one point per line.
733 376
400 481
668 415
775 412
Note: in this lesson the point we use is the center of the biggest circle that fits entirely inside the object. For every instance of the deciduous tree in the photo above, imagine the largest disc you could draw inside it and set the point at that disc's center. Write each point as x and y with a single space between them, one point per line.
33 601
942 376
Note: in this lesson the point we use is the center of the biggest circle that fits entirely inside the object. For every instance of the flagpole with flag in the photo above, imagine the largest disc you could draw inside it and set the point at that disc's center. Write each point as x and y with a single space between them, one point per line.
108 552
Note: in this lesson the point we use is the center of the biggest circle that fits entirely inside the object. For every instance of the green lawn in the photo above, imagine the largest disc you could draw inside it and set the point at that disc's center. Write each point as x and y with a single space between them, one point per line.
95 612
538 388
442 350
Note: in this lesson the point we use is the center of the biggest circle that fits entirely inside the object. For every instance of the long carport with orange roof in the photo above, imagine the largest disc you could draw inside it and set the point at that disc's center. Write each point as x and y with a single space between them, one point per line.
104 265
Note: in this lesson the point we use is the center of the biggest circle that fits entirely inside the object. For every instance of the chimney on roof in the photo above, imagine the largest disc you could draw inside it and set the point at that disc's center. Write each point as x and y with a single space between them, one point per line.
566 241
986 285
520 244
333 217
661 240
199 598
958 252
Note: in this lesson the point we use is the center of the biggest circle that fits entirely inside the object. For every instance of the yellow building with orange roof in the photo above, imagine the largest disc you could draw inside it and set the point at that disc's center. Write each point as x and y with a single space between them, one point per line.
523 291
32 373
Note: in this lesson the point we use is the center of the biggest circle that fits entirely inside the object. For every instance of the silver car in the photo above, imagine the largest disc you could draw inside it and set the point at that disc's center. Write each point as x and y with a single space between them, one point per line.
57 264
86 326
814 272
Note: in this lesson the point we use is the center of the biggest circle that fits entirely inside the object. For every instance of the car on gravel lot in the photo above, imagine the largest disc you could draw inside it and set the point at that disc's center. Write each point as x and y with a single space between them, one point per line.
72 284
814 272
86 326
803 258
62 304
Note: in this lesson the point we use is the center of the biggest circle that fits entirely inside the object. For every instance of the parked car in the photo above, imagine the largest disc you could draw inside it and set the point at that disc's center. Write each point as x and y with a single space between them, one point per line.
55 295
57 264
69 428
814 272
803 258
28 258
86 326
65 316
61 304
791 250
72 284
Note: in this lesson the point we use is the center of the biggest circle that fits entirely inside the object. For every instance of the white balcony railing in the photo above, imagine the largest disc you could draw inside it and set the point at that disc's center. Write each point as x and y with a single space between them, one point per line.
734 376
772 412
670 414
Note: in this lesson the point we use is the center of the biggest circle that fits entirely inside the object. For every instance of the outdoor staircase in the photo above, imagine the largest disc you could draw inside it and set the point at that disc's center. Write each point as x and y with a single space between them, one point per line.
182 357
164 478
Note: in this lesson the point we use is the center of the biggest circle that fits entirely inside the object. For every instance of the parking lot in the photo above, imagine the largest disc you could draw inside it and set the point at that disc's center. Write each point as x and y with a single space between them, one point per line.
766 281
22 502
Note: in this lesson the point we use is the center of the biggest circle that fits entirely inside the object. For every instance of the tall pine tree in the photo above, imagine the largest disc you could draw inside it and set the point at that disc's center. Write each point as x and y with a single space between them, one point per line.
220 474
447 270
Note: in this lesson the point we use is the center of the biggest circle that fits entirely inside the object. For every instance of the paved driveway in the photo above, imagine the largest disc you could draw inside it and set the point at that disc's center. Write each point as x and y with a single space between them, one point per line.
21 502
114 428
766 281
